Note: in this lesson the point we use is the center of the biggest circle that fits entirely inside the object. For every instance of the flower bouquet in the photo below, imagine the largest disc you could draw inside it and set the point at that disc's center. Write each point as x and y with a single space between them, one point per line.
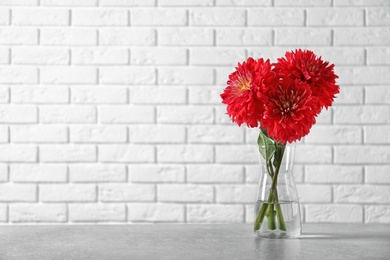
283 99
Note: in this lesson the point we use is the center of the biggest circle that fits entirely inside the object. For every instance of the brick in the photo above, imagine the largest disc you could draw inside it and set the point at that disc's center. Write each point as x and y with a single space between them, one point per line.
236 154
313 154
127 75
68 2
134 3
126 114
3 173
190 3
126 192
303 36
18 114
21 213
67 153
156 173
361 114
251 134
99 17
157 134
39 94
20 74
4 16
314 193
341 55
276 17
4 213
68 75
215 134
158 95
217 17
153 212
335 17
185 76
4 56
378 55
244 37
4 94
334 134
185 193
185 36
4 134
377 95
351 3
98 134
19 2
253 173
67 192
98 95
376 214
185 114
333 174
18 36
235 193
67 114
100 55
18 192
215 213
18 153
377 134
362 193
363 75
68 36
185 153
221 117
39 134
204 95
262 3
158 56
127 36
126 153
38 55
38 173
97 212
158 17
351 95
212 56
362 36
40 16
215 173
305 3
266 52
378 174
97 173
223 74
334 213
362 154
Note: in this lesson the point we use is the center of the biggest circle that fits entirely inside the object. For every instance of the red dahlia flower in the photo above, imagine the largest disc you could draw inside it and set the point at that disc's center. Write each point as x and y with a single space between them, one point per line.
306 67
289 112
245 90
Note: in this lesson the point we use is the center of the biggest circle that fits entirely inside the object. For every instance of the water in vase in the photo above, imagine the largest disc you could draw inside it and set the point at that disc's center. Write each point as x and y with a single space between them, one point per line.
292 218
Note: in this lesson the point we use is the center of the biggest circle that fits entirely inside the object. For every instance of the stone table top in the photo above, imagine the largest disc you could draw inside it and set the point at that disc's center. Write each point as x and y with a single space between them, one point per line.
191 241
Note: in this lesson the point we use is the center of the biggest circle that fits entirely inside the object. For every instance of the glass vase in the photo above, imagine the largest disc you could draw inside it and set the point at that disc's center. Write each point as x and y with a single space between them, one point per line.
277 212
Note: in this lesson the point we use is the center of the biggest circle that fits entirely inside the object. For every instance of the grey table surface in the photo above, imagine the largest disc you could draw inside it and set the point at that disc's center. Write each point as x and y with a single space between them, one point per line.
191 241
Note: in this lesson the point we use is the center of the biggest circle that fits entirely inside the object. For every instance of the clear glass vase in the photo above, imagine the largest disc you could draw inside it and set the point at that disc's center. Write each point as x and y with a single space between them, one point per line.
277 212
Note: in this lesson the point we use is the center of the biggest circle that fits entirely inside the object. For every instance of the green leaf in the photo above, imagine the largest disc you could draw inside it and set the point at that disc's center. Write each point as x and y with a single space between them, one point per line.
266 146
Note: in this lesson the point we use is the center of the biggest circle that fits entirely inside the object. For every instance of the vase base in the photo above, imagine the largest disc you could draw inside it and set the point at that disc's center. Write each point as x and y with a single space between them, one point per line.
276 235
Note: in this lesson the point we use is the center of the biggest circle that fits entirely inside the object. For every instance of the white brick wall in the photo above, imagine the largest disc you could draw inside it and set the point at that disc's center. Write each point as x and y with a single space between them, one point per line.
110 109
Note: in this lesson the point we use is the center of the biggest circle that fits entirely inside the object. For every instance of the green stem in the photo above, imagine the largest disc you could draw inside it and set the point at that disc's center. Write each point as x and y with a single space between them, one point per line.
279 213
272 208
